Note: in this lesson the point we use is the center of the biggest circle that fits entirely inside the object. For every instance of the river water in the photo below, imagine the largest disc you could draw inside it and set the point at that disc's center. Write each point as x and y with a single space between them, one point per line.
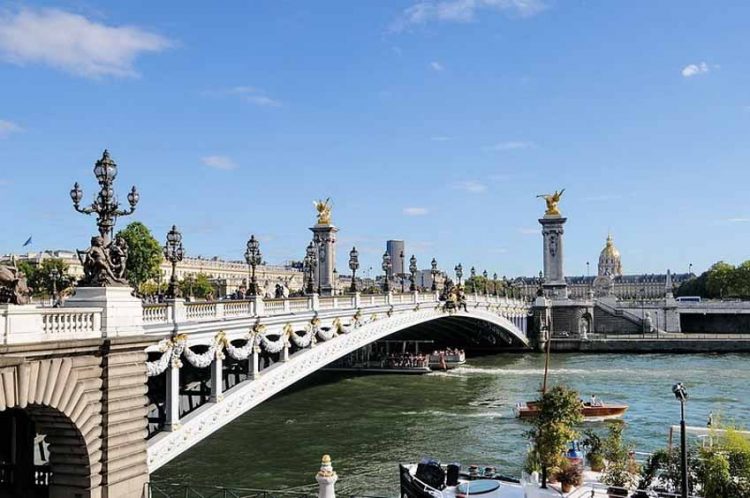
370 423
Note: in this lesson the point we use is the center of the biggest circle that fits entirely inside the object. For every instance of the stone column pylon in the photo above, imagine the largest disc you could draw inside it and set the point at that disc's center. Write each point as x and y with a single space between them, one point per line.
554 276
325 241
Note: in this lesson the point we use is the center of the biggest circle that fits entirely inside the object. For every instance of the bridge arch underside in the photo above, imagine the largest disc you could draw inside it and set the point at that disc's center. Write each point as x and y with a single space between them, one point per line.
483 327
469 333
51 428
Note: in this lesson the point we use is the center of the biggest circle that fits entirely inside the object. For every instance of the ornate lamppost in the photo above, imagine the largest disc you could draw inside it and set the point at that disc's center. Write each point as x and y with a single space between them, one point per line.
434 273
459 269
106 207
54 274
473 274
413 273
494 284
173 252
681 394
387 266
353 266
403 273
486 282
253 258
311 262
104 263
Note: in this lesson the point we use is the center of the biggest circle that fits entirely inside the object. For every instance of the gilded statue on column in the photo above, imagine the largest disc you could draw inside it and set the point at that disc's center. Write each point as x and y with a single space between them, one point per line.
552 201
324 211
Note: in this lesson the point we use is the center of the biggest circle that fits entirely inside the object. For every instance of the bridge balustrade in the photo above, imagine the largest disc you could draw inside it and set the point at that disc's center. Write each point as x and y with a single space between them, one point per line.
32 324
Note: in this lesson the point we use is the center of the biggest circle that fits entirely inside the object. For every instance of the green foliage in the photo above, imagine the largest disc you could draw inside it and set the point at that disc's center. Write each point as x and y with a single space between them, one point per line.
720 281
152 288
144 254
594 446
38 277
198 286
559 413
713 474
621 469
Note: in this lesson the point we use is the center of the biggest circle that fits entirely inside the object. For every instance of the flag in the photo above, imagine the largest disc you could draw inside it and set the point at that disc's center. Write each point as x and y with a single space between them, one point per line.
27 243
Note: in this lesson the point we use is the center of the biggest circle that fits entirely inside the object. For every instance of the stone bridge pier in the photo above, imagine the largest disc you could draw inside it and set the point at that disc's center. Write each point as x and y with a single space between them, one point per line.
77 405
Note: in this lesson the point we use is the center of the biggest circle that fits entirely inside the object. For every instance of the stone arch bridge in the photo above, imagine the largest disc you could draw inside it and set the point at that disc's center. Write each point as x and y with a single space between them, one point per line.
105 378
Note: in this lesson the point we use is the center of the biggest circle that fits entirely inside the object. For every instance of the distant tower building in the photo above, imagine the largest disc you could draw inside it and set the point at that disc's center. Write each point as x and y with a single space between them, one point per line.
610 263
394 248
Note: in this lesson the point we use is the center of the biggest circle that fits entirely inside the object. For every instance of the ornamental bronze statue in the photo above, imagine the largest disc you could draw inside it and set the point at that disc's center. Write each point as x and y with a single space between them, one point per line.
552 200
324 211
104 264
13 286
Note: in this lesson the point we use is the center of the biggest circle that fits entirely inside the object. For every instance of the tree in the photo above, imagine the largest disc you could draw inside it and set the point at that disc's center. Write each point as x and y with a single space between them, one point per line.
559 413
144 254
199 286
720 279
38 276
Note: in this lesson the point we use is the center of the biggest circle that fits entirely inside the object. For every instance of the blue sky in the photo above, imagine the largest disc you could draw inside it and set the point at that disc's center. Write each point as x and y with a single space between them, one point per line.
433 121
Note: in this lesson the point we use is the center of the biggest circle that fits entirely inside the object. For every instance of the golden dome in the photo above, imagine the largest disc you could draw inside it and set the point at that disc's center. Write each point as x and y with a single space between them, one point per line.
610 263
610 251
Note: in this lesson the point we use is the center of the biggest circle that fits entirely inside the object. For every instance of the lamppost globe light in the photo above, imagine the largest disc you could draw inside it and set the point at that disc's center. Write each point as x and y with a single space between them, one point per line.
133 197
679 391
76 194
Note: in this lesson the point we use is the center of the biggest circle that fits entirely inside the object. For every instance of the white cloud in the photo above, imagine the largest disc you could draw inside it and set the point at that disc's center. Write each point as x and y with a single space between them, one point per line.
73 43
436 66
8 127
528 231
415 211
472 186
249 94
461 11
738 220
511 145
222 163
695 69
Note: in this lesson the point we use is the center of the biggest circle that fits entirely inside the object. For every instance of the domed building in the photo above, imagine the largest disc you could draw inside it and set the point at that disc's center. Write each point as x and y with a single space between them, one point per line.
610 263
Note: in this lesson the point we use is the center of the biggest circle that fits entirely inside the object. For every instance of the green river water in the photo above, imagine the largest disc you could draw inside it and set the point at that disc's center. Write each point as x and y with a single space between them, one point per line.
370 423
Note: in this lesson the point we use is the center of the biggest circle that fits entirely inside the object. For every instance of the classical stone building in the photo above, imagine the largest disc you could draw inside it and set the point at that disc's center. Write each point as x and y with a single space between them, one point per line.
227 276
610 280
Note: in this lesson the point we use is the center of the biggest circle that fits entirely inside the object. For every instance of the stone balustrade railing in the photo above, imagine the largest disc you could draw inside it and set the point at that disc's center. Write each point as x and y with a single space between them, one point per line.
24 324
31 324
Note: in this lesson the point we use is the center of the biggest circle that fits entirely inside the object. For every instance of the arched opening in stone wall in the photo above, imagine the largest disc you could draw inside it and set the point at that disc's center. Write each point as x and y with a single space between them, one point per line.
43 454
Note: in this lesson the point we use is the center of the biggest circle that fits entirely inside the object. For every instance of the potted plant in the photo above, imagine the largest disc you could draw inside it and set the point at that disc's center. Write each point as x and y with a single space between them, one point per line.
618 474
559 412
570 476
594 447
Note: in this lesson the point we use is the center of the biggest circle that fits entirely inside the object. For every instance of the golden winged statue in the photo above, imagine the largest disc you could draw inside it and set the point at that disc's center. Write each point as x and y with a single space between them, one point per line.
324 211
552 200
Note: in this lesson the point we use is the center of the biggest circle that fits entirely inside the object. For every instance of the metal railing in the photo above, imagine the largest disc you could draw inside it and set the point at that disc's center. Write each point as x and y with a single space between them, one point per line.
157 489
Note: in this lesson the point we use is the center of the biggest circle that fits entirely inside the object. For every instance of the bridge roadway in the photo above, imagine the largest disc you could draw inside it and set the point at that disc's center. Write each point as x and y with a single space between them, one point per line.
81 372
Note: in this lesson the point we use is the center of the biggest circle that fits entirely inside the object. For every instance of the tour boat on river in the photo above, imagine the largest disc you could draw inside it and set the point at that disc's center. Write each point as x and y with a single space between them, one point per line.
591 413
447 360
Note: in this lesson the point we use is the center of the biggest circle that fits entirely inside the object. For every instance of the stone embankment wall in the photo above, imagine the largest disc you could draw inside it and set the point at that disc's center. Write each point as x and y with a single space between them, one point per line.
607 323
715 323
623 345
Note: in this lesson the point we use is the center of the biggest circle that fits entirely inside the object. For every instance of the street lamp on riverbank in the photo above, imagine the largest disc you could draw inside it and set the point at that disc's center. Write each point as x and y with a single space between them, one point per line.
681 394
459 269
